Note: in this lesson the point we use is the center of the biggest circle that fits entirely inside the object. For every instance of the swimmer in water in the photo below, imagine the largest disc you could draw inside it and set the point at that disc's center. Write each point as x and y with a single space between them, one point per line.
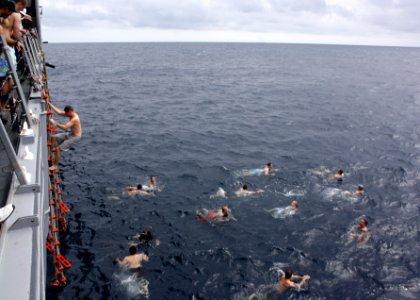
243 191
222 215
132 261
282 212
339 175
145 188
286 281
361 231
139 187
138 190
146 238
360 191
152 184
267 169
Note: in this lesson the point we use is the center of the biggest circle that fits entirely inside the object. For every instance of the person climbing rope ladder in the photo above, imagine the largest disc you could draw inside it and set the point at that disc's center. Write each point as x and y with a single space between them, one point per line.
65 139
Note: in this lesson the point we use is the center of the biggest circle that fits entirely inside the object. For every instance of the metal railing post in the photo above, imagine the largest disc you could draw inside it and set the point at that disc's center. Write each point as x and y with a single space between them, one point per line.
38 48
12 155
34 53
16 82
32 57
37 57
28 57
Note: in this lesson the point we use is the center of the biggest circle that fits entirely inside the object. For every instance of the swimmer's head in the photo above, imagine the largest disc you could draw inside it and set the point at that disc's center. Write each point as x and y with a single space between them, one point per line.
340 172
139 186
69 111
288 273
245 187
132 250
360 188
153 179
225 211
147 233
294 204
363 222
269 165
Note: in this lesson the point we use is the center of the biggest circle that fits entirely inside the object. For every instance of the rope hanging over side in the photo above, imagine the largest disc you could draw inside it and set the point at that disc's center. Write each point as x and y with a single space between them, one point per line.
58 208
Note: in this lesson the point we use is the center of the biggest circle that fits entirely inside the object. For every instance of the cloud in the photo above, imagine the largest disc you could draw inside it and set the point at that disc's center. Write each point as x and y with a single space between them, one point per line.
352 18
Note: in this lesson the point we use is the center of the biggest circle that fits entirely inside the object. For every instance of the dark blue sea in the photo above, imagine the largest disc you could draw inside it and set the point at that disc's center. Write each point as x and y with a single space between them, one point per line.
198 115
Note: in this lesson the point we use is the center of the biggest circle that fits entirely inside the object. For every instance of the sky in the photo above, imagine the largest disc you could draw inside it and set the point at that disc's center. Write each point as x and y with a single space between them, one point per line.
355 22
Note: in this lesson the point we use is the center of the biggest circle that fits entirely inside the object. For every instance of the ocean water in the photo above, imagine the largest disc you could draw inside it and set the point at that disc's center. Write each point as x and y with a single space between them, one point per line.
197 116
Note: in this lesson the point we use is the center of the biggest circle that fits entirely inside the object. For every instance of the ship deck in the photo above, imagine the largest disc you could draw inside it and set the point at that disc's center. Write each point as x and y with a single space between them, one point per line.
6 173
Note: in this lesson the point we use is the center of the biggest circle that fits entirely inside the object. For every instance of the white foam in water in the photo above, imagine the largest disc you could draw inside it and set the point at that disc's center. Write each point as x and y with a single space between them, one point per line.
133 285
282 212
221 193
330 193
247 172
334 193
321 171
113 197
278 267
295 193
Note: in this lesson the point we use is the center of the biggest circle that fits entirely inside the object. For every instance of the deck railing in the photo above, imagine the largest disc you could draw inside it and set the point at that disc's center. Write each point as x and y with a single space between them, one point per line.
34 61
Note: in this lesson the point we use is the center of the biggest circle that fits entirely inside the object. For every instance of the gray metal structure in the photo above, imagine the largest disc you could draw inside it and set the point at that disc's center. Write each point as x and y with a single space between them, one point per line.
24 158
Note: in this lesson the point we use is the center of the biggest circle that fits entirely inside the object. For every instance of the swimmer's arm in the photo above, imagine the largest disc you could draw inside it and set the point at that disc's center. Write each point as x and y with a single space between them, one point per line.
68 125
145 257
121 263
134 237
56 110
131 188
299 285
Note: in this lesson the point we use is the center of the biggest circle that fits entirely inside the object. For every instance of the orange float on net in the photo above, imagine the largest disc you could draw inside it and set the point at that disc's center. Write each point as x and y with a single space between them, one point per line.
55 283
49 248
64 207
64 262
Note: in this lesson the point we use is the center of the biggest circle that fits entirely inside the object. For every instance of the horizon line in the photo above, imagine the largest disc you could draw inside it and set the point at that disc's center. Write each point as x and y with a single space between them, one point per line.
230 42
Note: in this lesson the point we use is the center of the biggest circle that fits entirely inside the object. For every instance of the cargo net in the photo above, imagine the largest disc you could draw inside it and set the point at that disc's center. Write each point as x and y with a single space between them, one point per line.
58 209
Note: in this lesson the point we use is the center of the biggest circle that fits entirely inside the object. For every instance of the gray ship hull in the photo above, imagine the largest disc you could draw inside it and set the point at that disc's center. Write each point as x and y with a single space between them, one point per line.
25 180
